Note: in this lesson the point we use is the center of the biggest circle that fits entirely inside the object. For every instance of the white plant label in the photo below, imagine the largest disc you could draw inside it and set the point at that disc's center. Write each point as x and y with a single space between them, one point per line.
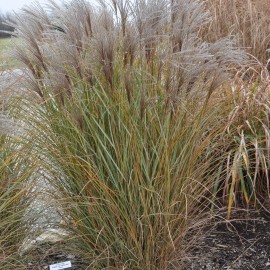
61 265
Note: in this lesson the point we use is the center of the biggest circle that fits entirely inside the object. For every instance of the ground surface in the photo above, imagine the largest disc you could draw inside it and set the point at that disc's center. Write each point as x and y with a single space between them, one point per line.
241 244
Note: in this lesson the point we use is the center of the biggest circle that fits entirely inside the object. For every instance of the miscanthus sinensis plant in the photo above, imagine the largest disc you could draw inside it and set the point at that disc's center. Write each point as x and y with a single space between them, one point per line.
120 116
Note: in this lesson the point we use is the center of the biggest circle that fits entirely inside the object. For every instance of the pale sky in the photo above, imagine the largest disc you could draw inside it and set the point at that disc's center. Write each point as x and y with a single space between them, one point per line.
9 5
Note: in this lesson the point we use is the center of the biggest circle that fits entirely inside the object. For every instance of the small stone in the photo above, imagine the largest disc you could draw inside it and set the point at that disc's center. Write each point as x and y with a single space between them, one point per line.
70 256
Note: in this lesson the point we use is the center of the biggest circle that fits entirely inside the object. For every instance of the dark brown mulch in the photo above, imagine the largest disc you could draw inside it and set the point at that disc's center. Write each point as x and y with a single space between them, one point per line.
243 243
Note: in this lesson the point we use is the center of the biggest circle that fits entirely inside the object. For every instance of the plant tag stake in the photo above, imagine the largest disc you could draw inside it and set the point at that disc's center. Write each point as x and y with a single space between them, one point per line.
61 265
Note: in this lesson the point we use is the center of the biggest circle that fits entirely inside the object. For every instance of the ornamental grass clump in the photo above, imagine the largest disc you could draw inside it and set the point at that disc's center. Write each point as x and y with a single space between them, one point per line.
129 185
120 117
